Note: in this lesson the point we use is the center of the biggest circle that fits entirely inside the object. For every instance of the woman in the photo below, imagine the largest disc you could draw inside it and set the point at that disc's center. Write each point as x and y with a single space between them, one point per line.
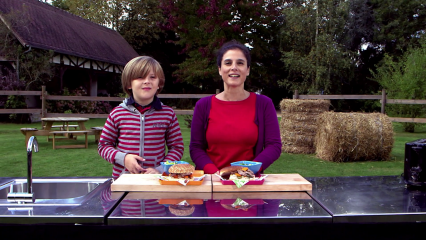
235 124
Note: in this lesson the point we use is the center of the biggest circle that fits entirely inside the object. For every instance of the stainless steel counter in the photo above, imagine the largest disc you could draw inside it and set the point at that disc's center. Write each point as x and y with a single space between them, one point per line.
82 210
201 208
338 207
378 199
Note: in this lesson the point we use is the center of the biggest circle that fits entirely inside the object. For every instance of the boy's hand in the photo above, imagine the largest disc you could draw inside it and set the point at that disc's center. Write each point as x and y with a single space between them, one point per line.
152 171
131 163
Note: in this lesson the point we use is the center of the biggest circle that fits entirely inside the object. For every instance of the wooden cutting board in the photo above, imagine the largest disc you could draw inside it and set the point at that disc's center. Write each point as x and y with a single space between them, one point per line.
260 195
150 183
273 183
168 195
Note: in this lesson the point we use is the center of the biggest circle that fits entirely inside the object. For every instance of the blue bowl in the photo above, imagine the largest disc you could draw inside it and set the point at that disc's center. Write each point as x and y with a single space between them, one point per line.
167 166
253 166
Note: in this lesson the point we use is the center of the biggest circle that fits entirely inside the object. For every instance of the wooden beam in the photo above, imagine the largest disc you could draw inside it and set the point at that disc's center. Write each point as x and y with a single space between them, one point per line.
183 95
352 97
409 120
84 98
184 111
15 111
21 93
84 115
405 101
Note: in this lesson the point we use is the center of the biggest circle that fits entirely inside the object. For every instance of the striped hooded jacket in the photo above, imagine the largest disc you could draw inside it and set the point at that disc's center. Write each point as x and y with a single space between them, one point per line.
126 131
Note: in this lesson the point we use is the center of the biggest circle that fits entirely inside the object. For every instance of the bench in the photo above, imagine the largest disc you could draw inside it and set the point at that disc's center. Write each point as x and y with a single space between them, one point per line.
97 132
62 128
28 132
70 134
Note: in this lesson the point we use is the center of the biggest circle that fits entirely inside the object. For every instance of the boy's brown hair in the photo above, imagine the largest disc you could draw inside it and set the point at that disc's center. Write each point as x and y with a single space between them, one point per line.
140 67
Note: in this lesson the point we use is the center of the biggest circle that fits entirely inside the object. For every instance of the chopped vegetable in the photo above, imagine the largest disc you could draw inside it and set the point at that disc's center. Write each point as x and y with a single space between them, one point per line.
169 163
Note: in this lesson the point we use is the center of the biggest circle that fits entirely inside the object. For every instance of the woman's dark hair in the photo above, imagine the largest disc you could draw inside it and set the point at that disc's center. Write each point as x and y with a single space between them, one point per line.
231 45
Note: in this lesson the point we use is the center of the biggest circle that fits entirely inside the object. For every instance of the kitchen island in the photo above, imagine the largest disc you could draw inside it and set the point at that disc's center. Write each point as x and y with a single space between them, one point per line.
379 207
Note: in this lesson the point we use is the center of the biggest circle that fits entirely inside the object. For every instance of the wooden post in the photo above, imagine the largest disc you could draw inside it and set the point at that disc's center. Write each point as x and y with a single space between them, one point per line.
383 101
43 104
296 94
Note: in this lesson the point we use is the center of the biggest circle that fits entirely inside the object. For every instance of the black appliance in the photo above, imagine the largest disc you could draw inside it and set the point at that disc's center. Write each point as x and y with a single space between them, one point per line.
415 163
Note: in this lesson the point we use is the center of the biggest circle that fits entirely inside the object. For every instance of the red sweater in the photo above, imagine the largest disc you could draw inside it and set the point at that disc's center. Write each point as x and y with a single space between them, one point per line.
232 133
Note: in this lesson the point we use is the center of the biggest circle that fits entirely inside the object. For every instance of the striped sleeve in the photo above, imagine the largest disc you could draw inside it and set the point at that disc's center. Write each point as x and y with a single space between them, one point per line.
108 139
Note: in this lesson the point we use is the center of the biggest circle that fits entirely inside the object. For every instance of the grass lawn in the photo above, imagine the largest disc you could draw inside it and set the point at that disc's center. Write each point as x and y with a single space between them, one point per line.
86 162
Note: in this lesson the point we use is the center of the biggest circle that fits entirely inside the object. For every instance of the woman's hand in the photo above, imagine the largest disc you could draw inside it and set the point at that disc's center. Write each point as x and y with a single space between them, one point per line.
131 163
151 171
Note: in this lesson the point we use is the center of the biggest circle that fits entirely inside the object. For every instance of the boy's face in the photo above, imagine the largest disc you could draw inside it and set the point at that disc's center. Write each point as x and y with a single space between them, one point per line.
144 89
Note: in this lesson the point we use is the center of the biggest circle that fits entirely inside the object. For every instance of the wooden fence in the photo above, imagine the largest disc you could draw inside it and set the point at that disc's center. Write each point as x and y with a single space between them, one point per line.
44 96
383 100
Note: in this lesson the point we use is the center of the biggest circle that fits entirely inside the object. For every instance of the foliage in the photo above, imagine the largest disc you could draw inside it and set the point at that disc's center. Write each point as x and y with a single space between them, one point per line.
405 79
9 80
34 67
399 24
313 46
188 121
94 10
78 106
333 51
135 20
203 26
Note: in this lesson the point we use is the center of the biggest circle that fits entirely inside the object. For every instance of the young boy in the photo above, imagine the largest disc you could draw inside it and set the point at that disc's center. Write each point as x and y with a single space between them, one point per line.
136 132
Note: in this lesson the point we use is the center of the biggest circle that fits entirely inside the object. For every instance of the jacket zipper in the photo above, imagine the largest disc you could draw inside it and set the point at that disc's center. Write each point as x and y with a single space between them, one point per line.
142 138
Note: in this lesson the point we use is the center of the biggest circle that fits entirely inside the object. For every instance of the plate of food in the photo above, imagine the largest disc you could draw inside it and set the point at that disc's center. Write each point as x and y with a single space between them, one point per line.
229 175
167 164
182 208
182 174
253 166
177 201
240 204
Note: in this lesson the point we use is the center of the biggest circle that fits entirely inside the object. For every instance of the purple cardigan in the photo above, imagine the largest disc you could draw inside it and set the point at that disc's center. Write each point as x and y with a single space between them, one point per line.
268 146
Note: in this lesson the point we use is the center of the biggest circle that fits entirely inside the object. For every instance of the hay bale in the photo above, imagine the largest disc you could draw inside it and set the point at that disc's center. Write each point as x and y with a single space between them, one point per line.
304 106
298 124
344 137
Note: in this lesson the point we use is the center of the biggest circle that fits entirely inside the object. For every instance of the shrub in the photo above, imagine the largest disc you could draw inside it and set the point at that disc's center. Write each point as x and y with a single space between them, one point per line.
78 106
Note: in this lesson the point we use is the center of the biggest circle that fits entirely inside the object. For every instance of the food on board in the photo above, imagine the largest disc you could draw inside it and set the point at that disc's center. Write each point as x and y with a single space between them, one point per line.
236 172
181 210
181 171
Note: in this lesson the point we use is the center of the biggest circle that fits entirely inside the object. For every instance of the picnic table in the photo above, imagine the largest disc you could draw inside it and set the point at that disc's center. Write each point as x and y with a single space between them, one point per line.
65 129
65 122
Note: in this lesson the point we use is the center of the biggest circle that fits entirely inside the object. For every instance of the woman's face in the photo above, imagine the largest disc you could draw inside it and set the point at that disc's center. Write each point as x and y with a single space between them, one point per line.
233 69
144 89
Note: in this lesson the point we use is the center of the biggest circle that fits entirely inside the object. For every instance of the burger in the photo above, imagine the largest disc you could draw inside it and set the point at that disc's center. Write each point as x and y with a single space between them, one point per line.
236 172
181 171
181 210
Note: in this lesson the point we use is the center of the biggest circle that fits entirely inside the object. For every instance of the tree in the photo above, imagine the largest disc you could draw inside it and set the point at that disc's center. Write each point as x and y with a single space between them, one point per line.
313 46
399 23
203 26
96 11
137 21
31 65
405 79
